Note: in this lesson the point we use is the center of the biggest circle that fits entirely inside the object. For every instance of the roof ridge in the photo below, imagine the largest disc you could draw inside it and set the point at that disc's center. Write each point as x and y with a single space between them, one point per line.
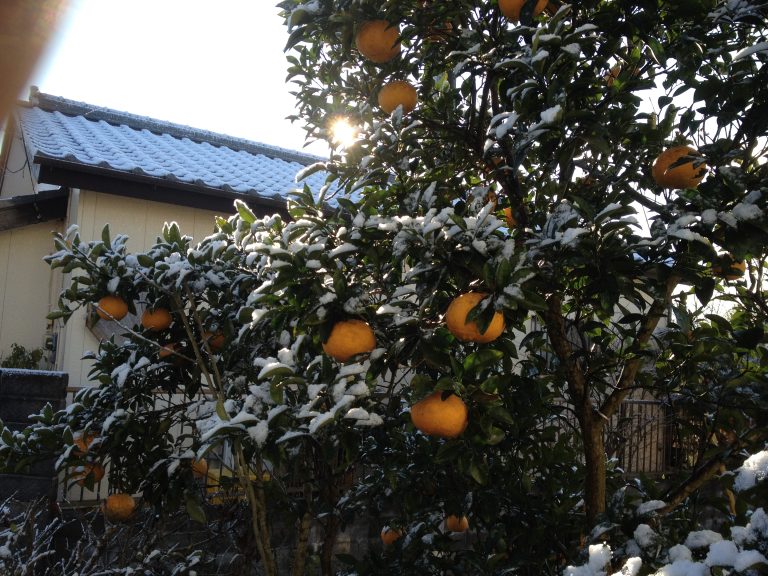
70 107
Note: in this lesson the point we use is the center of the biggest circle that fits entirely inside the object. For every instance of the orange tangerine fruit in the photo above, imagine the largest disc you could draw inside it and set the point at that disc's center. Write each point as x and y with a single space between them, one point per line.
457 524
435 416
510 218
167 350
83 442
397 93
119 507
94 472
215 340
378 40
512 8
729 268
390 535
200 468
684 175
156 320
468 331
111 307
349 338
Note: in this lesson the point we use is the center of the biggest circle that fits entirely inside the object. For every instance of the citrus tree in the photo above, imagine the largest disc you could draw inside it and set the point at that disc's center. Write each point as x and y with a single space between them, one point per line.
540 211
618 151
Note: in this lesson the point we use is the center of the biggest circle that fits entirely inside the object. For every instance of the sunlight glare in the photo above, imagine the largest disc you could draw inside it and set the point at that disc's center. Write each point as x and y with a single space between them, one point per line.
343 133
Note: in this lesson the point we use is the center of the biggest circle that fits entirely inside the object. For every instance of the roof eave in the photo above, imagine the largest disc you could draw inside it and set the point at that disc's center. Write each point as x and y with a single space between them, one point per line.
110 181
28 210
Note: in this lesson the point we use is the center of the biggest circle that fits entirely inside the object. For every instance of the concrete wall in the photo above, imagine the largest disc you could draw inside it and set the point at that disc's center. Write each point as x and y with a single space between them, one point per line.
25 392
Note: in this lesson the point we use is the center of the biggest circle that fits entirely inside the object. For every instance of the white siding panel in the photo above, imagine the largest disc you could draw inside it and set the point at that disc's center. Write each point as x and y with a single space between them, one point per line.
142 221
25 285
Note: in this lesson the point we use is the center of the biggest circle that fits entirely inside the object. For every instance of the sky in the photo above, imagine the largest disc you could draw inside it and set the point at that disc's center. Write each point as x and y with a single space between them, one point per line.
218 66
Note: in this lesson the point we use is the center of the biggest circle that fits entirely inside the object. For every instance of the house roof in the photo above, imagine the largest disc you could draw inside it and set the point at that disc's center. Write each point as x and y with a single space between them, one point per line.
78 144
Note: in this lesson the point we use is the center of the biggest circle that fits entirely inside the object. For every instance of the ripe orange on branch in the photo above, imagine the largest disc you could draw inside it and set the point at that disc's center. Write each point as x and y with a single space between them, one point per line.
83 442
166 350
199 468
729 268
156 320
685 175
111 307
512 8
468 331
510 217
390 535
435 416
457 524
216 340
349 338
119 507
397 93
378 40
88 472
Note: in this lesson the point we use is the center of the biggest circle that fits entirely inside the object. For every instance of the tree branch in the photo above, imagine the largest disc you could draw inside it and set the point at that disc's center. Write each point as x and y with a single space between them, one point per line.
556 330
629 372
700 476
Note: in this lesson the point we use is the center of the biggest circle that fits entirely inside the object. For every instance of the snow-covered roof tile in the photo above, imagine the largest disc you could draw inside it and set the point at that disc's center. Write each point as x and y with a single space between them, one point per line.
59 129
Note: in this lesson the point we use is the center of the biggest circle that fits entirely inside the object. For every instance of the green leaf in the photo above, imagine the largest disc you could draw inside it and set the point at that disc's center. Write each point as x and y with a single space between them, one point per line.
449 452
277 371
503 272
479 472
599 144
195 511
421 385
704 290
276 392
313 169
500 414
296 36
245 315
221 412
722 324
105 235
245 212
145 260
481 359
172 234
750 337
224 226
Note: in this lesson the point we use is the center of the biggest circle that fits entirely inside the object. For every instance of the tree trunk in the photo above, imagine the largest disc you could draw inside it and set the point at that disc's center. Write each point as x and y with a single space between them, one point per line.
595 463
329 543
302 546
590 421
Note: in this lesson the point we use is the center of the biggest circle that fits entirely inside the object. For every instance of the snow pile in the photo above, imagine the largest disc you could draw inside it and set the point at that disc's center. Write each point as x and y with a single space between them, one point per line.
645 536
599 556
754 470
704 552
712 551
649 507
702 539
